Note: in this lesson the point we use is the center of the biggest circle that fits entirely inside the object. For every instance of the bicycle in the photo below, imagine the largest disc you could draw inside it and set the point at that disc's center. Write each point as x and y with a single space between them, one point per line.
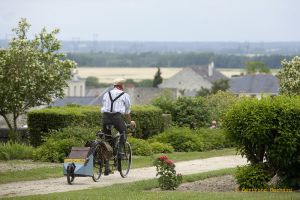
106 148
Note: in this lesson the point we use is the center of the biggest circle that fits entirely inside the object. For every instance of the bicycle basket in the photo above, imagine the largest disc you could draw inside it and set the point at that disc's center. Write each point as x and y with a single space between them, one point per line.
104 150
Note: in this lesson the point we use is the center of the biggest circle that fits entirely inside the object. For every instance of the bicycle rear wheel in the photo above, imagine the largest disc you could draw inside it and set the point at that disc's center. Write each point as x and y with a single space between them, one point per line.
98 164
124 162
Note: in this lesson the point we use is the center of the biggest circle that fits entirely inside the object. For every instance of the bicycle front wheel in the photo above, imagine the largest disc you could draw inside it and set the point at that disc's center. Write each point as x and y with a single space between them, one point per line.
124 162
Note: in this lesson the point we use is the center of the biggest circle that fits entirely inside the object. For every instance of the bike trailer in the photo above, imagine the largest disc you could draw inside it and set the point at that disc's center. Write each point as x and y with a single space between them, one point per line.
79 162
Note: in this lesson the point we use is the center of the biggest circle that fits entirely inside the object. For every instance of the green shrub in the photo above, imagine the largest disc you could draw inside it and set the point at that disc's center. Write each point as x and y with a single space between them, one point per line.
158 147
252 177
10 151
57 145
192 112
164 102
41 121
149 121
268 129
140 147
219 103
167 121
182 139
214 138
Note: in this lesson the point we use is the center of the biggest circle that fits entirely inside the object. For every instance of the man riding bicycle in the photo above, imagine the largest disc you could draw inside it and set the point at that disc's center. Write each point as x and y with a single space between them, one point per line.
115 104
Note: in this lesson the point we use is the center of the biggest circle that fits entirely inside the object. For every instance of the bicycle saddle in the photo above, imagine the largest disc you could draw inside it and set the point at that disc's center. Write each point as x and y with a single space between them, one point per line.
109 126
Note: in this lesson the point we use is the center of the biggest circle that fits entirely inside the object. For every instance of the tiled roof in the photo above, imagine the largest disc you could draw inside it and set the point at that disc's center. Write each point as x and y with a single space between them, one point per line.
203 71
87 100
76 100
258 83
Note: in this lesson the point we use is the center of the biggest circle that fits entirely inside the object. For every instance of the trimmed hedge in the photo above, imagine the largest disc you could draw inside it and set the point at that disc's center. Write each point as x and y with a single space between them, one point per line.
267 130
41 121
149 120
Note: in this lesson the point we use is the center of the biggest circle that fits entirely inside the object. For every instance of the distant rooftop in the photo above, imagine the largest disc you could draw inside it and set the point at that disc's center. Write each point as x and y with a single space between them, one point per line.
203 71
76 100
258 83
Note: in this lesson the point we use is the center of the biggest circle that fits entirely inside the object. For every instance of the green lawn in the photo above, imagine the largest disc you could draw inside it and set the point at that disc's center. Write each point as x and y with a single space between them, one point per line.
32 174
138 162
141 191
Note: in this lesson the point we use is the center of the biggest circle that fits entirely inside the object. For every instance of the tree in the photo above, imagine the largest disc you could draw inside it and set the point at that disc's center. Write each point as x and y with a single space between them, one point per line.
92 81
219 103
203 92
289 76
164 101
32 73
220 85
253 67
157 78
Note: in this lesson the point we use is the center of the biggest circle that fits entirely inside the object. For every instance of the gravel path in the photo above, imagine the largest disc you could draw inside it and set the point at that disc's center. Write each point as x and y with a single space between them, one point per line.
60 184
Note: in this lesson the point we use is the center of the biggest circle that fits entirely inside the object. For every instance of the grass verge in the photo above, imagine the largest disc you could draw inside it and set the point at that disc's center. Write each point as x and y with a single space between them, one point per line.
31 174
141 190
138 162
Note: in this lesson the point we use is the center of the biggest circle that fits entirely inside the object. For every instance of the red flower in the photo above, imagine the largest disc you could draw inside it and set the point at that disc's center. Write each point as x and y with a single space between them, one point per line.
162 158
170 162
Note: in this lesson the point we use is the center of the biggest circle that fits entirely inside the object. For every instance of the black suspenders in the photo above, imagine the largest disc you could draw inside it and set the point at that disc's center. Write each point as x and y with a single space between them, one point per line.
113 100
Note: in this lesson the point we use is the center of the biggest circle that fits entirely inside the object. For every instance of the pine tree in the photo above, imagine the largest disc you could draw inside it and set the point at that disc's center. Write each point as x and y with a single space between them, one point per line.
157 78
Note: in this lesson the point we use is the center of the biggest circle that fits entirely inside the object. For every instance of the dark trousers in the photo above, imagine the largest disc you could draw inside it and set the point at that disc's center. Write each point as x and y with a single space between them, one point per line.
117 121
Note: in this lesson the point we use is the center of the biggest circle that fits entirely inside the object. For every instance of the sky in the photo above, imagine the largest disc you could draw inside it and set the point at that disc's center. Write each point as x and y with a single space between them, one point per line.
157 20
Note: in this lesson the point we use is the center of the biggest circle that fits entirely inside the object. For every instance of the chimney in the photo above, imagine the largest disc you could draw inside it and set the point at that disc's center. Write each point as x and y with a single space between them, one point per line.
210 69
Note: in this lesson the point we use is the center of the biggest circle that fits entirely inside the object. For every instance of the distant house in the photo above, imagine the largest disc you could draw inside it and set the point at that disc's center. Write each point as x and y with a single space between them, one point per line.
254 85
191 79
84 101
142 96
138 96
76 86
94 98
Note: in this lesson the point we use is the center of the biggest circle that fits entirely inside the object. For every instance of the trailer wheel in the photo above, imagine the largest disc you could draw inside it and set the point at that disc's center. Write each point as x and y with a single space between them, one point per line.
70 173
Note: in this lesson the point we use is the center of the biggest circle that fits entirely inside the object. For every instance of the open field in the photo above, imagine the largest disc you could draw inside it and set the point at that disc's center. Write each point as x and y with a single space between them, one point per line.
108 74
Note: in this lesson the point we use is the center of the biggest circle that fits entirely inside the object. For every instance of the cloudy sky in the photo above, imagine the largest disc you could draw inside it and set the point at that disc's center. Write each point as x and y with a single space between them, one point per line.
157 20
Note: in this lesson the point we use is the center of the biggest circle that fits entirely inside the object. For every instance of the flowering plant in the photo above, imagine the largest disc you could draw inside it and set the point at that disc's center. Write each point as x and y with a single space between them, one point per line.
168 179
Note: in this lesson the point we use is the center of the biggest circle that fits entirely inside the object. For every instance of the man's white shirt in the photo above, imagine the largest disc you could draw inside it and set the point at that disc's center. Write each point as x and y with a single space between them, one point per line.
121 105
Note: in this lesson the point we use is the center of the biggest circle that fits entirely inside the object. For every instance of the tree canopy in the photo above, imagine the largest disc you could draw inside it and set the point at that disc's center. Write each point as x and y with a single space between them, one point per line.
252 67
218 85
32 72
289 76
171 59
